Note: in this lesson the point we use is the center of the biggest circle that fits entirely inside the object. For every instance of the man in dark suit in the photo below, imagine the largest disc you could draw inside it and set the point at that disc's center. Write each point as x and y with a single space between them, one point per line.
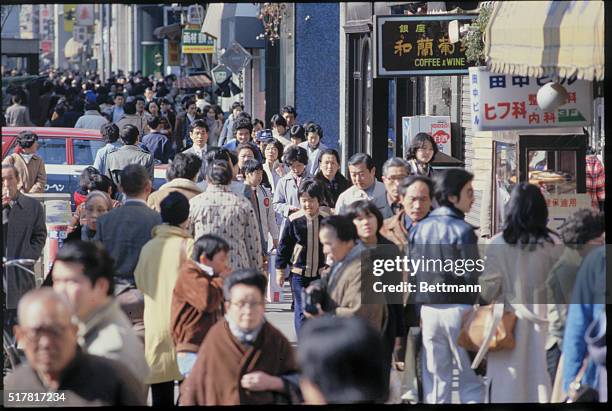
124 231
24 235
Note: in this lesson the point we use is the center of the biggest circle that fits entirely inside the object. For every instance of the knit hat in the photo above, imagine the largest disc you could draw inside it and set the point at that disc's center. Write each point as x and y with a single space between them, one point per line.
174 208
90 96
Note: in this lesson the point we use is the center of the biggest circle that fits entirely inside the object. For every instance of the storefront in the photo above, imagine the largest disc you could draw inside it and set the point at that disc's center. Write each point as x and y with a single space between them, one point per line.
560 42
375 100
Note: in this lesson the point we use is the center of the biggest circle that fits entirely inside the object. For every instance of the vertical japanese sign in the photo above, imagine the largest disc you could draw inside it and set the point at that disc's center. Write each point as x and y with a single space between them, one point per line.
505 102
69 17
193 41
418 46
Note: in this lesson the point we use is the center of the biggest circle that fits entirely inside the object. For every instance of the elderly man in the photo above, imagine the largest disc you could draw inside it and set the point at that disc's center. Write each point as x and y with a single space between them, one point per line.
394 171
365 186
56 365
24 233
243 360
83 272
416 197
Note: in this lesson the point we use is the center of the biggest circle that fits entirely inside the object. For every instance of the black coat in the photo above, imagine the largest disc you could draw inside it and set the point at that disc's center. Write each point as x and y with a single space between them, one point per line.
26 234
294 245
333 188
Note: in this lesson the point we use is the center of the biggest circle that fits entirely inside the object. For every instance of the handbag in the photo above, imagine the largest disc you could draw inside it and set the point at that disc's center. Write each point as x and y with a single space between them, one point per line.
579 392
487 328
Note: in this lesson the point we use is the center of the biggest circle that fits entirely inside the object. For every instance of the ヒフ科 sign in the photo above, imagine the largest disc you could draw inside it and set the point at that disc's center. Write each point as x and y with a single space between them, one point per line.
505 102
418 46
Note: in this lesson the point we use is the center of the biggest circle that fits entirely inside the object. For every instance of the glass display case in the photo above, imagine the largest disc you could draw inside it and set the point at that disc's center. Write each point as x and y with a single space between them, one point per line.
554 162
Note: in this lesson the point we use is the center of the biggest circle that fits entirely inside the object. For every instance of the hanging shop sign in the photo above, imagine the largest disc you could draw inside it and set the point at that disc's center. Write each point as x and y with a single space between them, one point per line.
506 102
418 46
193 41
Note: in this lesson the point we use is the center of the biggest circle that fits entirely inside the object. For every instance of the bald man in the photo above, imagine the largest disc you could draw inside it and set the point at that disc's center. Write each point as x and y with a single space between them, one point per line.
48 333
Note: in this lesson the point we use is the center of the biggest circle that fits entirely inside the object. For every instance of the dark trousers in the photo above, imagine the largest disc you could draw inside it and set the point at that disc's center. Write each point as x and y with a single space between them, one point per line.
553 355
162 394
299 283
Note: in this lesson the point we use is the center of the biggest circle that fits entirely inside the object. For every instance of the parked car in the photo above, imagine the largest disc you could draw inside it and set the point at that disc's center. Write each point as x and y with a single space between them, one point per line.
67 152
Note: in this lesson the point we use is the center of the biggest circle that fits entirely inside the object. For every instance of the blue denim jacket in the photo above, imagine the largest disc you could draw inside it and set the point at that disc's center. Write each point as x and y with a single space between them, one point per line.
588 302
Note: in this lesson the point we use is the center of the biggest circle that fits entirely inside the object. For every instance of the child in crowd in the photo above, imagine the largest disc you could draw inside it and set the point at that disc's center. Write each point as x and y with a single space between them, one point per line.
300 248
197 299
262 204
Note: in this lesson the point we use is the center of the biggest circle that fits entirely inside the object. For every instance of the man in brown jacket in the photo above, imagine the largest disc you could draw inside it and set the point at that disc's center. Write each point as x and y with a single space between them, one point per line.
29 165
416 194
181 175
197 300
244 359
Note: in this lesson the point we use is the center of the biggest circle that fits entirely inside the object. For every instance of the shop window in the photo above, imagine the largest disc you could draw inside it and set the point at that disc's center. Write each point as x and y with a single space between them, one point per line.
554 171
506 175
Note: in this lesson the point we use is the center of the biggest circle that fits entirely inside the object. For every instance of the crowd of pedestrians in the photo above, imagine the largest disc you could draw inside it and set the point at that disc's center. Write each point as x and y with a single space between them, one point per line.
166 287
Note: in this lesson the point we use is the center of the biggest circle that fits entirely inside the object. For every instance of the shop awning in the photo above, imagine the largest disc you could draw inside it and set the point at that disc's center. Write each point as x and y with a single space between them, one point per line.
554 38
199 81
444 160
230 22
72 48
171 31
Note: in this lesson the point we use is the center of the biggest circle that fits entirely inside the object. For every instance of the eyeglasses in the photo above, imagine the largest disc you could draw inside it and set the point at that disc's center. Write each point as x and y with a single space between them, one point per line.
396 179
54 331
251 304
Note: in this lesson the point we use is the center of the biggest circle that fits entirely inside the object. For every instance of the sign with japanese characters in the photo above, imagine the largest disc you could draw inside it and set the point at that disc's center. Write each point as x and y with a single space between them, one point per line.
418 46
505 102
561 206
193 41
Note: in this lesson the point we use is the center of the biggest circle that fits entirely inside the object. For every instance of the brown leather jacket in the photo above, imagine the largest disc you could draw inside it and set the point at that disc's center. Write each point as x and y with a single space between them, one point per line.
196 306
395 231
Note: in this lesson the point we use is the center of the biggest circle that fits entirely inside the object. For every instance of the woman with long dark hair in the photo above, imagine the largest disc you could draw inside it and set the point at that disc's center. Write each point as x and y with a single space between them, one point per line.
368 220
517 264
421 153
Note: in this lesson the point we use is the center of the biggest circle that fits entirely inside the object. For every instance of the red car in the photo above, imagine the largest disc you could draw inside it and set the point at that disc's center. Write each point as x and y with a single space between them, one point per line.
67 152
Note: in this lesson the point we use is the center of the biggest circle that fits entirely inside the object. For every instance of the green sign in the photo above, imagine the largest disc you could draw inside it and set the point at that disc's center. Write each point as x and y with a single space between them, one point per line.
194 41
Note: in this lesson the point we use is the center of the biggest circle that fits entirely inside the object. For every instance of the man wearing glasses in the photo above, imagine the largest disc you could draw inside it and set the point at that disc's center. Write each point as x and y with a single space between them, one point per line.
395 170
242 342
58 372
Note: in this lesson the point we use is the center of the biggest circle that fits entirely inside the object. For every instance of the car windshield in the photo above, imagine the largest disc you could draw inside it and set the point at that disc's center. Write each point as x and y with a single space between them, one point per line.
85 151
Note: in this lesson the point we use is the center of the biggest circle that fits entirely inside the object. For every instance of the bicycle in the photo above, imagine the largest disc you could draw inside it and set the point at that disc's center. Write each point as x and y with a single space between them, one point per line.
13 356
